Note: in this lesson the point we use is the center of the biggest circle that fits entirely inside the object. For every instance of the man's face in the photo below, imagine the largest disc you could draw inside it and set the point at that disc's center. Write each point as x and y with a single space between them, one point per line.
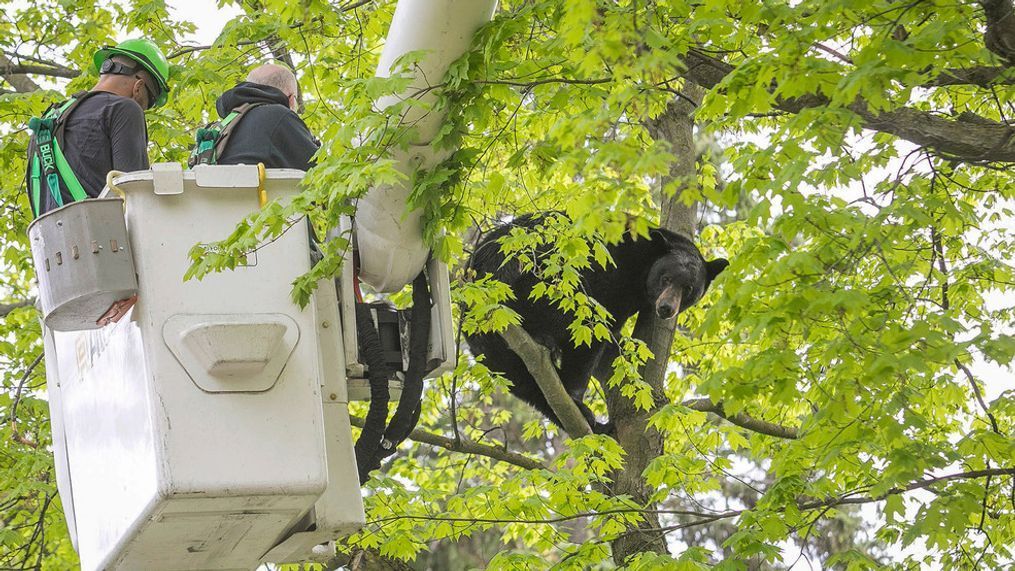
142 92
133 80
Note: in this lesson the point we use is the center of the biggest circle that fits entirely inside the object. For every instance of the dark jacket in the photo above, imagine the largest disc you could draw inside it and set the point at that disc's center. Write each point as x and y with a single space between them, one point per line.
105 132
271 134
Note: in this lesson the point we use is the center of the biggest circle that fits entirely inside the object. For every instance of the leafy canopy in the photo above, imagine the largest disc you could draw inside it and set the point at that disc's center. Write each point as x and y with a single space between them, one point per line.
855 157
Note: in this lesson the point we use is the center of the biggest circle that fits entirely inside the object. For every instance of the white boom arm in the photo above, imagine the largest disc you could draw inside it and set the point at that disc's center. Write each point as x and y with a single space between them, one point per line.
390 241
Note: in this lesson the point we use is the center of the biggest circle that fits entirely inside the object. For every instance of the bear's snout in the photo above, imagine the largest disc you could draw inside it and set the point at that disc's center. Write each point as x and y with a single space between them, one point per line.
668 303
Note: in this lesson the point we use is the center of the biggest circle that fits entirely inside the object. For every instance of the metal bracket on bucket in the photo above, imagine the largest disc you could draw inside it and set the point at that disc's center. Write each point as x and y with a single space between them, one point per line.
83 263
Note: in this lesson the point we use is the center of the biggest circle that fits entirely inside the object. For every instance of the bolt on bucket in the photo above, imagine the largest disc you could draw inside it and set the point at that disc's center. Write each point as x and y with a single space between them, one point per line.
83 263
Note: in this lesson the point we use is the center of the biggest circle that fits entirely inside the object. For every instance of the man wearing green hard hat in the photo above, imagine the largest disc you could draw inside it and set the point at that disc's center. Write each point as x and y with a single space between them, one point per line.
77 142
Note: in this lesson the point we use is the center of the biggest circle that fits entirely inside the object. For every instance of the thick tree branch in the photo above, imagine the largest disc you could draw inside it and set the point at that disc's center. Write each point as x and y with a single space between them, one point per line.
962 139
704 69
465 446
7 308
999 36
742 420
975 141
642 443
25 69
982 76
23 57
20 83
537 361
709 71
971 141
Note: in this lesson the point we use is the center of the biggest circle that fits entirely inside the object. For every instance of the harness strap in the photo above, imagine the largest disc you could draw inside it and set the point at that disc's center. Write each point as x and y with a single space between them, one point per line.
47 158
69 178
233 115
55 112
212 139
36 184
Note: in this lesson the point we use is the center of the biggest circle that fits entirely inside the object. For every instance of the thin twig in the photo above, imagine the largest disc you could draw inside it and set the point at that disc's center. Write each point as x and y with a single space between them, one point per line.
708 518
21 386
978 395
742 420
466 446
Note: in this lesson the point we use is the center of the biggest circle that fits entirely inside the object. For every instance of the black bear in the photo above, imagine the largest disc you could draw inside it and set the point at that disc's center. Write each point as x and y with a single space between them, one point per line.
665 273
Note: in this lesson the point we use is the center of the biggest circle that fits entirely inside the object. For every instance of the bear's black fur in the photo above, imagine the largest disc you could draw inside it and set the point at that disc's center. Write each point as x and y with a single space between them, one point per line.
665 272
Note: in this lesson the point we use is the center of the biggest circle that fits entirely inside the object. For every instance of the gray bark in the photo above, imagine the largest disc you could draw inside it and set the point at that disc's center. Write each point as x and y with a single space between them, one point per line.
999 36
540 365
642 444
21 83
959 138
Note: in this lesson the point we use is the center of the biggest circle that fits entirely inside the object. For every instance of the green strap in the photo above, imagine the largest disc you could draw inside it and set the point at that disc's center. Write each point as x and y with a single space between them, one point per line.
56 112
53 182
44 153
69 178
228 119
36 184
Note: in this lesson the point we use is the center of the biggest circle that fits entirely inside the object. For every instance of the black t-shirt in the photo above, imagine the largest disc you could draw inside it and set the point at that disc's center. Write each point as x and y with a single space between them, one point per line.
270 133
105 132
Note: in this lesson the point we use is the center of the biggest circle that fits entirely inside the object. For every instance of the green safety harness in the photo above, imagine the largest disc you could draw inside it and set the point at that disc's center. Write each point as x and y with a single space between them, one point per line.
213 138
47 159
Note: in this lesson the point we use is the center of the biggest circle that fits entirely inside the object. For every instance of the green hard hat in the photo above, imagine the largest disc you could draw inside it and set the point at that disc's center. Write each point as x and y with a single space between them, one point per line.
146 53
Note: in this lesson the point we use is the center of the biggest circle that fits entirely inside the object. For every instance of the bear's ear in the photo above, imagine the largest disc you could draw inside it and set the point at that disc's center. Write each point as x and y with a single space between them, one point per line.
666 240
715 267
659 239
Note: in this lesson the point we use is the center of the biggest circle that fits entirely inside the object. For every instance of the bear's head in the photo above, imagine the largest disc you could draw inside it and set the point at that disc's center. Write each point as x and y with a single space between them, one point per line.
679 276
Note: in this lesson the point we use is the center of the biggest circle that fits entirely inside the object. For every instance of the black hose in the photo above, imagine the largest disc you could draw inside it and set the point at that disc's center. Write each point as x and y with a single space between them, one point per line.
408 410
369 440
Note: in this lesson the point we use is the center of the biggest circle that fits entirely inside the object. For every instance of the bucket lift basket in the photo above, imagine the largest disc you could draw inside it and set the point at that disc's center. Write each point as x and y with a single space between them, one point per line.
219 403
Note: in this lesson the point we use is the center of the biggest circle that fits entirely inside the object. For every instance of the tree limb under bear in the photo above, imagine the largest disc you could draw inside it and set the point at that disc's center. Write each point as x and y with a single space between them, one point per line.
537 361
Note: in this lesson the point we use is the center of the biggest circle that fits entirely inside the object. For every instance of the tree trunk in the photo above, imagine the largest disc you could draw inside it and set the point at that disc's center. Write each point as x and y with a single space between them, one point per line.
643 445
